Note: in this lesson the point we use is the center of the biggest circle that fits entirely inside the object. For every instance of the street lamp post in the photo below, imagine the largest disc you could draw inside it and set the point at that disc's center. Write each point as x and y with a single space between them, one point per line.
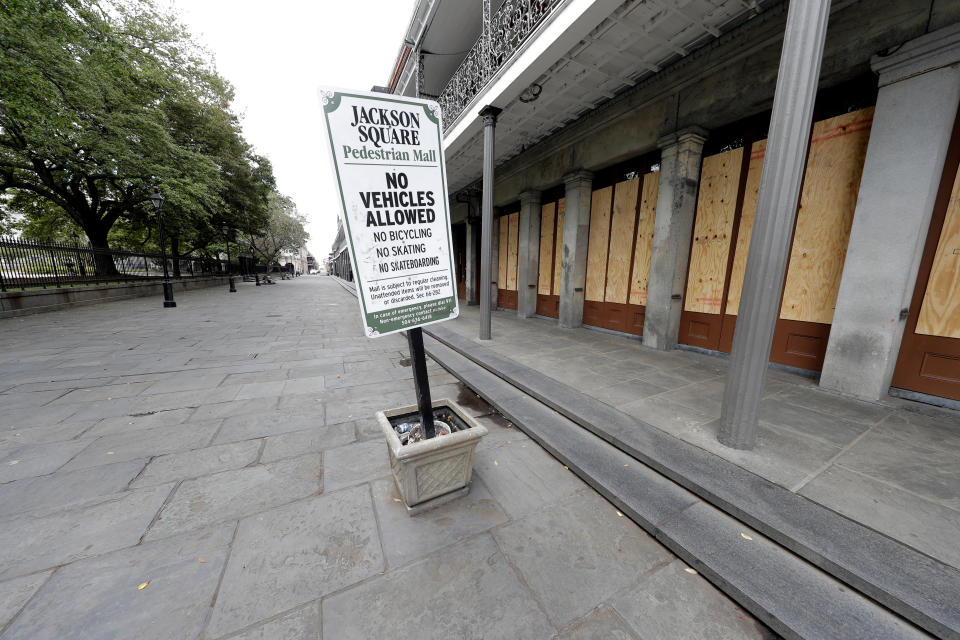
253 265
226 235
157 200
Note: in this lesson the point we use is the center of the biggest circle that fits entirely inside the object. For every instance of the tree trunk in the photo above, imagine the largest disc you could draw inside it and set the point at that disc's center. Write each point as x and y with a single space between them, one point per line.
103 264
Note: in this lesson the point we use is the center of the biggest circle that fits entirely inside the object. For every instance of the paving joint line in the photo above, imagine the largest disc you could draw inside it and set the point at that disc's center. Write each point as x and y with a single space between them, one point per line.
146 464
896 486
376 518
523 581
277 616
829 463
156 516
263 445
216 592
9 623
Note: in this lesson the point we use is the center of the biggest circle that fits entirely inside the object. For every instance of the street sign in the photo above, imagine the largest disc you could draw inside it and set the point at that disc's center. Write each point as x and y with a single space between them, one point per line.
387 154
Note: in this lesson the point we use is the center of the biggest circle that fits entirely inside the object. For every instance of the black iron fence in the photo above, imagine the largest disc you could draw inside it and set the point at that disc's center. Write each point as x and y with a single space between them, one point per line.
29 264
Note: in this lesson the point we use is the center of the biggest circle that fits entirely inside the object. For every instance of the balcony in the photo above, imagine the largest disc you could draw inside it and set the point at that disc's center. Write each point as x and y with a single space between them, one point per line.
506 30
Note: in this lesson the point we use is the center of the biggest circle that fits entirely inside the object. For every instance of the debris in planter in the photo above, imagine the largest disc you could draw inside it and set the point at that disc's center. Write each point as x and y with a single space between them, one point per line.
413 431
403 431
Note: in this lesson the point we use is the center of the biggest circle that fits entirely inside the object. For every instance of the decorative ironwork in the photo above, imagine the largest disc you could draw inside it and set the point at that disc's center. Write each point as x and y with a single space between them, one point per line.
485 37
28 264
506 30
419 72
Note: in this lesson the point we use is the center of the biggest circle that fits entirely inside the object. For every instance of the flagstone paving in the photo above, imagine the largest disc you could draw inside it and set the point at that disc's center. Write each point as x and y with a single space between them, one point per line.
215 471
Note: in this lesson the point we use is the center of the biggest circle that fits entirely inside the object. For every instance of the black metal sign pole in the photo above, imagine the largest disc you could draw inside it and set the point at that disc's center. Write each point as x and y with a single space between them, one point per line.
415 340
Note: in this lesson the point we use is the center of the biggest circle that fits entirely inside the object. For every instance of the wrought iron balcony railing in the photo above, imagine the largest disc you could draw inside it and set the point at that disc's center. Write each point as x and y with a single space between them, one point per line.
503 33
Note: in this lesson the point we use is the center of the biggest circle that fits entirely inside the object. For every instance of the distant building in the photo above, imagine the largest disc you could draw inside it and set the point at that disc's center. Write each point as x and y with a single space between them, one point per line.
300 259
339 259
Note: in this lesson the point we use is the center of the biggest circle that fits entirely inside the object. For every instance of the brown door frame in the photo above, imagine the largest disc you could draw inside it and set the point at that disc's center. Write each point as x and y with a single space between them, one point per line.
507 298
623 317
914 348
549 304
713 322
594 310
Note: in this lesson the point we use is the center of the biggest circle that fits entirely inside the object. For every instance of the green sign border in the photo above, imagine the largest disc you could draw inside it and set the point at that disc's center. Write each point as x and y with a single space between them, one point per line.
372 322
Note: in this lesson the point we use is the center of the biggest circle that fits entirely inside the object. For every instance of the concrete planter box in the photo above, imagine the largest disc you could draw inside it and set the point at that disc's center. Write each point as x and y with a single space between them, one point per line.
433 471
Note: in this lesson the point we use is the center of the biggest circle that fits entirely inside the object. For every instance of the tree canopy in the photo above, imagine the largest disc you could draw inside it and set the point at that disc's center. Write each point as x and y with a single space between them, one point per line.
284 233
100 103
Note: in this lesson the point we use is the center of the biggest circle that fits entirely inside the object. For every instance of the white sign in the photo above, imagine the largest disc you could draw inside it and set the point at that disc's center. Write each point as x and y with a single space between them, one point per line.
388 158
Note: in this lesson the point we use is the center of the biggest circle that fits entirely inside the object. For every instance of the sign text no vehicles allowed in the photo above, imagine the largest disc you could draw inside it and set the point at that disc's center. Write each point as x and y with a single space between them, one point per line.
388 158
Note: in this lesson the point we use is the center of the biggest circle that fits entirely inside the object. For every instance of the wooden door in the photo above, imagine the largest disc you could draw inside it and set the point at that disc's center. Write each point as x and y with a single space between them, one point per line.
716 215
618 254
507 277
601 209
929 360
551 246
719 254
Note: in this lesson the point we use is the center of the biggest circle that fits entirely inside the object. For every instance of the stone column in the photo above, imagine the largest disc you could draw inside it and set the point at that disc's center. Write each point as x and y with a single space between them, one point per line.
528 254
912 124
489 115
573 258
681 154
473 253
777 203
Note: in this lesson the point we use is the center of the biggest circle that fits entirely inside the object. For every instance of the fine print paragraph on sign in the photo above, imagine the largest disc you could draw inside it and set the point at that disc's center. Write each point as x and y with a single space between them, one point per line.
387 154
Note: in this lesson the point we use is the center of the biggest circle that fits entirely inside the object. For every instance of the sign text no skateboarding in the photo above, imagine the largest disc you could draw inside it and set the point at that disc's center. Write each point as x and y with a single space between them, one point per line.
388 158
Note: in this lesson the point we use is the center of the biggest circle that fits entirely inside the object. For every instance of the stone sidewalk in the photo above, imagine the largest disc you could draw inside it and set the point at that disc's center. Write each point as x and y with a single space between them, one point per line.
215 471
893 466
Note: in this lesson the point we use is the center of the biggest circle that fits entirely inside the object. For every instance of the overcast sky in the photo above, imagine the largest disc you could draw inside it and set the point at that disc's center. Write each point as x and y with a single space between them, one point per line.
277 53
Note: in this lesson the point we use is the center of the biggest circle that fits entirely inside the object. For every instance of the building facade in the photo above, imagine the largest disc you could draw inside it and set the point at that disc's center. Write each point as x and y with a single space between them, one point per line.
338 262
301 259
628 153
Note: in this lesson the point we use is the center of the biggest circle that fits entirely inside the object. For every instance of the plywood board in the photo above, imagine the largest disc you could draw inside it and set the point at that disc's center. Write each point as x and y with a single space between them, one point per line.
513 244
643 247
597 248
838 147
940 310
747 213
502 253
558 247
621 240
548 214
716 206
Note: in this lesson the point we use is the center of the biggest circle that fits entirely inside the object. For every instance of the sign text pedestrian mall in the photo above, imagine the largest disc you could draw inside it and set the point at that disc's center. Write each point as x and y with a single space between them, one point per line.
388 157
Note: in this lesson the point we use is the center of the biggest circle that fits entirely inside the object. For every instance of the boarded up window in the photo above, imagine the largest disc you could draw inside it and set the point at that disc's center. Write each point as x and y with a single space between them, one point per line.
716 208
509 239
643 246
599 241
940 310
621 240
834 167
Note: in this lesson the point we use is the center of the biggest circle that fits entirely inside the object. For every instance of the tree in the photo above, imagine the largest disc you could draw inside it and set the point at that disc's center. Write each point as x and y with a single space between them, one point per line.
98 107
8 220
285 231
202 120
